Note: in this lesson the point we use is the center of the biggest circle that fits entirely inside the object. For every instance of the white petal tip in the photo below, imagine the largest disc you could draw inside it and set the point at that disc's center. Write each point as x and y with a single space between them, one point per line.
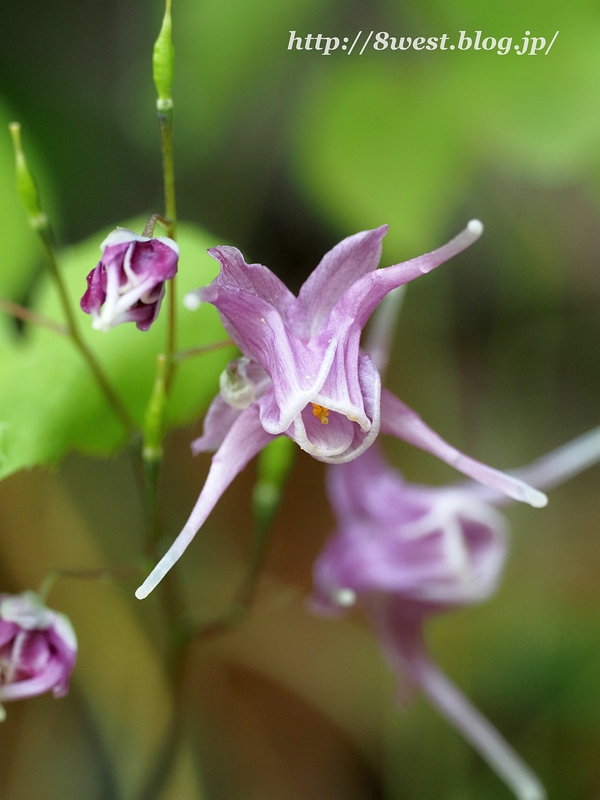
537 499
475 228
168 242
142 592
191 301
345 597
100 323
122 236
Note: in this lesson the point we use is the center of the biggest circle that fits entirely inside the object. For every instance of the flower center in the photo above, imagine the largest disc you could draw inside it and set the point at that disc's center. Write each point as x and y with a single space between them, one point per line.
321 412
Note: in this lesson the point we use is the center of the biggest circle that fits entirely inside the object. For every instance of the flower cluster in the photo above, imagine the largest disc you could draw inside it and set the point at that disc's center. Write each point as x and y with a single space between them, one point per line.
303 374
128 284
38 648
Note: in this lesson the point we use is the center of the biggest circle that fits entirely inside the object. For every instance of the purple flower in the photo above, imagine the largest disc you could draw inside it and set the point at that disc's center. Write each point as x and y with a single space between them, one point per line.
128 284
303 375
430 548
406 552
38 648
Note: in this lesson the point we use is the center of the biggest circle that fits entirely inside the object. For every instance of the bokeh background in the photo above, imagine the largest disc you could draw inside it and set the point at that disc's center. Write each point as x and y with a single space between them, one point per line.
282 153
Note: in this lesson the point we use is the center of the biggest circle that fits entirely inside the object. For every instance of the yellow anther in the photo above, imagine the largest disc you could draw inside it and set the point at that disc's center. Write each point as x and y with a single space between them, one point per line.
321 413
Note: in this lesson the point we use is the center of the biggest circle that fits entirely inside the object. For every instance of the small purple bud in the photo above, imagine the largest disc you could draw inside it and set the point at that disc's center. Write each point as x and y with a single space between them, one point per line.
38 648
128 284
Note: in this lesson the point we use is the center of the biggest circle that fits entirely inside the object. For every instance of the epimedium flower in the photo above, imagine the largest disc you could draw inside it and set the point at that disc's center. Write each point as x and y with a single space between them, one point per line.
405 552
128 284
303 374
432 546
38 648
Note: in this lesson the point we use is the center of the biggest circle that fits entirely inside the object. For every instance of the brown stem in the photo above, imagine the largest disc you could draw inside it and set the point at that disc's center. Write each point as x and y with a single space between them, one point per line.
150 225
181 355
27 315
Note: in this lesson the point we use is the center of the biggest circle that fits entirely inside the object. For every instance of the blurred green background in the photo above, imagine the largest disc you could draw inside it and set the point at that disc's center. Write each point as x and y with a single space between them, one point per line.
283 153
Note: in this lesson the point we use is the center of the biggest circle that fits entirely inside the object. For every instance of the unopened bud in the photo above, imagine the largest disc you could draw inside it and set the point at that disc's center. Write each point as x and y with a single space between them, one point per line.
162 63
236 387
25 183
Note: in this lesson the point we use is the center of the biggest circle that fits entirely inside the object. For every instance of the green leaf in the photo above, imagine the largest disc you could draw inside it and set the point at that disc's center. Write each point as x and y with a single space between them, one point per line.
50 404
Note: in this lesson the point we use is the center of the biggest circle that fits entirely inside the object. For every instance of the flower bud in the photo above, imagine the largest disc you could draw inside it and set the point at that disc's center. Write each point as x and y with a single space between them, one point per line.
25 184
38 648
128 283
162 62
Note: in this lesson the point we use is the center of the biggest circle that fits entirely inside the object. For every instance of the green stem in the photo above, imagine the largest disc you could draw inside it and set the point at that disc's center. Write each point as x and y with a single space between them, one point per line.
152 451
244 597
188 632
165 121
259 546
152 476
111 396
105 574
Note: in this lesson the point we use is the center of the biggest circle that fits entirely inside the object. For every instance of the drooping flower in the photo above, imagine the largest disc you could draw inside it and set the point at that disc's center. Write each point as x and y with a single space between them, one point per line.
303 375
405 552
128 284
38 648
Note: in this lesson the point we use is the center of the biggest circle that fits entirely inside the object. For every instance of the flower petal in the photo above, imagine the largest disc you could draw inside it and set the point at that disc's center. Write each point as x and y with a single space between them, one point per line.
296 370
253 278
399 420
8 630
245 439
342 266
361 299
551 469
218 421
42 682
351 430
342 389
405 650
319 440
378 343
457 559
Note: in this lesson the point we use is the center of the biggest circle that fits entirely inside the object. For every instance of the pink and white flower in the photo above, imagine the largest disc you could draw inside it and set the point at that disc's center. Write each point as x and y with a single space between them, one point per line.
38 648
303 374
404 553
